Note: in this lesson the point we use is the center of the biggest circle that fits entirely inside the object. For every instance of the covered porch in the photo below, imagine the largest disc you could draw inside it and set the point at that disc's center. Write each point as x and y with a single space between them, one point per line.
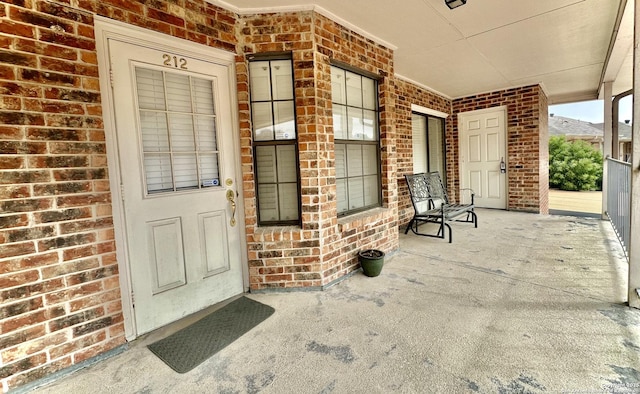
524 303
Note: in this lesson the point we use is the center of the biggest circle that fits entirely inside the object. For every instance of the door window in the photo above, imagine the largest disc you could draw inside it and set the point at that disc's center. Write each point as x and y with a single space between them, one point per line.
178 129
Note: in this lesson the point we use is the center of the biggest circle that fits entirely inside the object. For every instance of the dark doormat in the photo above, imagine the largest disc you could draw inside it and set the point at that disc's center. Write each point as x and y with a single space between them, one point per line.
187 348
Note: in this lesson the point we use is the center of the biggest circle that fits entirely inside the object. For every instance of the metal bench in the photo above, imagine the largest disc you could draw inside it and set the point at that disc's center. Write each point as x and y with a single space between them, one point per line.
431 204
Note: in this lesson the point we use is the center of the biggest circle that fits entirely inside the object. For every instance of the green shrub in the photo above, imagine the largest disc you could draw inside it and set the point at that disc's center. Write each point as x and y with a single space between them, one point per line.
574 165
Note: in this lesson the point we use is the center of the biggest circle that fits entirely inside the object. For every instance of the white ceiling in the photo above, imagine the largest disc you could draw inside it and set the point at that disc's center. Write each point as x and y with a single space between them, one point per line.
487 45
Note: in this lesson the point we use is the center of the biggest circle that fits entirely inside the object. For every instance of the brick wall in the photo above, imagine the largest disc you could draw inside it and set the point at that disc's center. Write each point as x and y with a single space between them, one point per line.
323 248
377 229
407 94
59 281
527 142
543 153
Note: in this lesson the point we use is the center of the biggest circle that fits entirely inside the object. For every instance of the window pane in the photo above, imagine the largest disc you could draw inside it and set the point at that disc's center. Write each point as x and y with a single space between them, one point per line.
436 145
371 190
354 89
181 127
172 132
206 131
369 93
209 172
370 159
356 130
356 193
282 78
150 88
202 96
340 122
341 161
357 162
370 126
260 82
155 132
354 160
268 202
158 172
341 194
274 130
284 120
419 143
262 122
338 88
286 163
288 197
185 171
178 92
266 164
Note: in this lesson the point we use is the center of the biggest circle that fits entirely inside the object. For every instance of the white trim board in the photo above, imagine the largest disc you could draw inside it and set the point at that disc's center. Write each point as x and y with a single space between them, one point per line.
428 111
304 7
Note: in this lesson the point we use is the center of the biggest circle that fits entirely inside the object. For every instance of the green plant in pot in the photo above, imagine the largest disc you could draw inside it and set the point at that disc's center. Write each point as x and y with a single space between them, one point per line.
371 261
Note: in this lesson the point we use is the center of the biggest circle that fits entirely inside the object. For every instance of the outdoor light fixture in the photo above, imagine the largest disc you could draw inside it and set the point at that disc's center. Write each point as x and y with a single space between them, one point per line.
455 3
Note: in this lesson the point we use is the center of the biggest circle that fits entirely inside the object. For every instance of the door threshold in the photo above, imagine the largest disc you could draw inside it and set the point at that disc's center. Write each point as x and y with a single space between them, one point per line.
173 327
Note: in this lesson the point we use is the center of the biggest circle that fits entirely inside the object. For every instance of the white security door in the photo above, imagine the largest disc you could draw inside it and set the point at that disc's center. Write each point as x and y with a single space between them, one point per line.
177 163
483 156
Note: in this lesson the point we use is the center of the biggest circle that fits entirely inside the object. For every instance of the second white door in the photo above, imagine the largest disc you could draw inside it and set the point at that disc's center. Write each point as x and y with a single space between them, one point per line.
483 159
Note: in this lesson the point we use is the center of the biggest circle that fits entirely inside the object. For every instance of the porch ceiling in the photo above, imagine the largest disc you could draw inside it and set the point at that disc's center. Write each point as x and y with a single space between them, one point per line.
487 45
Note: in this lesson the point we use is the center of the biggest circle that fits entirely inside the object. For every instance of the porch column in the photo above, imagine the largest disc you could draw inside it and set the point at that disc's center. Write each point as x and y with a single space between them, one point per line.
634 235
608 124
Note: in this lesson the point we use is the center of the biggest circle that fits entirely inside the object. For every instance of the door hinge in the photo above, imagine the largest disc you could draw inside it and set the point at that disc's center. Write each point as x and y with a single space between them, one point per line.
122 191
133 300
111 77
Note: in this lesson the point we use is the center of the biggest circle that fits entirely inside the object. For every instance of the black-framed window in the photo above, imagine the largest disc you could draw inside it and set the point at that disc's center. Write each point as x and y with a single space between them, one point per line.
428 144
275 147
357 141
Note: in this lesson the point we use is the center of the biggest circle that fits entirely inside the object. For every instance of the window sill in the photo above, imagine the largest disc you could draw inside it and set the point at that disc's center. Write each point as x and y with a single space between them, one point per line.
275 229
358 219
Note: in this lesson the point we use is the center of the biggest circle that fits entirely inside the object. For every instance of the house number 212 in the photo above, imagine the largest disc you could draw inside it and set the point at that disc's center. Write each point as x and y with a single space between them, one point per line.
174 61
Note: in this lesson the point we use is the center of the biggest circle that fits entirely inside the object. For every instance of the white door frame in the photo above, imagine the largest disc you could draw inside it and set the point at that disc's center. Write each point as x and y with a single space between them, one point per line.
461 116
106 29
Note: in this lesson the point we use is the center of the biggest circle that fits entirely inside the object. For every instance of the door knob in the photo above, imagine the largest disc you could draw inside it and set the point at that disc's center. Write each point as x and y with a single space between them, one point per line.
231 199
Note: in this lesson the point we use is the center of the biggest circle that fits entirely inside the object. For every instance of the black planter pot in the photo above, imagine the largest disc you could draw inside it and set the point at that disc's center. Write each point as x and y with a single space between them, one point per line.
371 261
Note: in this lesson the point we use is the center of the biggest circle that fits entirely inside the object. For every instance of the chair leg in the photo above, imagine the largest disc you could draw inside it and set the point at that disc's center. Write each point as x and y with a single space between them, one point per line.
409 226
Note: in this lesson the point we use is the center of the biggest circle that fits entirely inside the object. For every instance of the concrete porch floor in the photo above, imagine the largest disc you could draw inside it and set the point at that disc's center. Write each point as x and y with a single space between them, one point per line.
524 303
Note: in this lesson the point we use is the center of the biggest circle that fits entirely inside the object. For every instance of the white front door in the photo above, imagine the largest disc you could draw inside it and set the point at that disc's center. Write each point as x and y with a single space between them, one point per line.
173 120
483 160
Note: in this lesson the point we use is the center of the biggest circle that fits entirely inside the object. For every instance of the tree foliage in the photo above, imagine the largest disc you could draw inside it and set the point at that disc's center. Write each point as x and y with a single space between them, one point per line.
574 165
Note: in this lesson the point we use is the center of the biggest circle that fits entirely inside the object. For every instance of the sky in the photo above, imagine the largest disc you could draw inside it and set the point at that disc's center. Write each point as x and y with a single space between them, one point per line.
591 111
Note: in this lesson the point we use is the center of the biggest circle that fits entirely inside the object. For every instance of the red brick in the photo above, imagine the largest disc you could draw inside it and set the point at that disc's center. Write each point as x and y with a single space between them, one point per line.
98 349
94 300
13 250
39 373
12 221
29 319
87 199
31 347
23 365
17 337
66 241
73 346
